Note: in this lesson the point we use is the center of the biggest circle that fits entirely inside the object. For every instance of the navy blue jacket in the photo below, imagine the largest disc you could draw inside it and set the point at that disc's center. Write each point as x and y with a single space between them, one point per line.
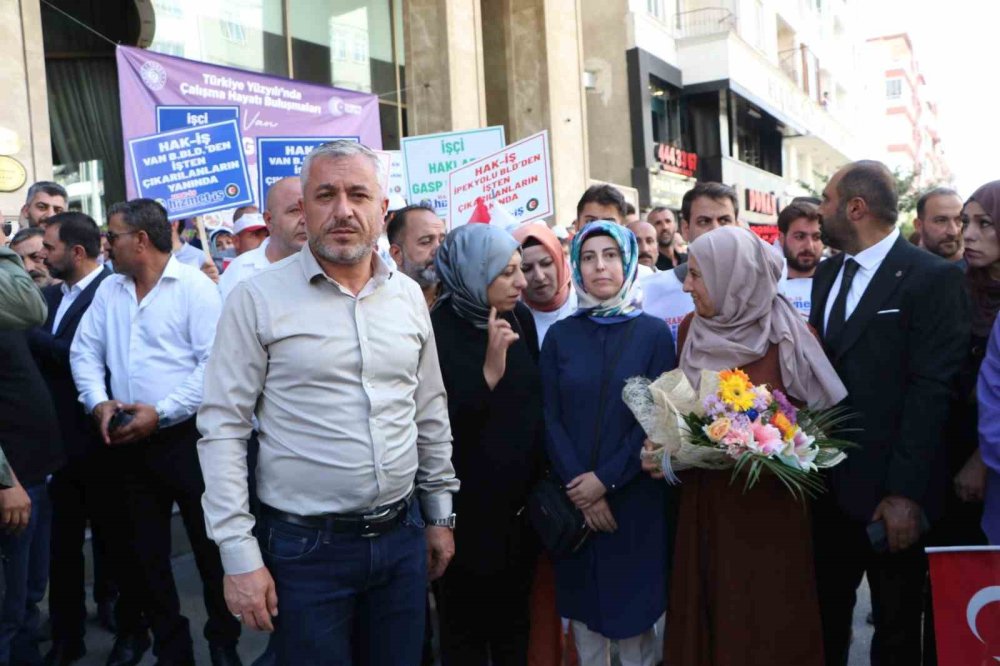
51 353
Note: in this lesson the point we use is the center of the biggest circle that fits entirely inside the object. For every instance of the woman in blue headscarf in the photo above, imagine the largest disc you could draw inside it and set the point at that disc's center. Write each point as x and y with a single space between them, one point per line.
488 351
614 586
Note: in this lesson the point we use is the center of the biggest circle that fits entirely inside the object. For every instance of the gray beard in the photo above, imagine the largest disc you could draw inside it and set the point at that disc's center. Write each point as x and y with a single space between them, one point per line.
425 276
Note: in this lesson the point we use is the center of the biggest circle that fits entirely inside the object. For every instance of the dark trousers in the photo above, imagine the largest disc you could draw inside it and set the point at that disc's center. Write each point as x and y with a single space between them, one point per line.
87 490
345 599
843 555
485 619
156 473
25 576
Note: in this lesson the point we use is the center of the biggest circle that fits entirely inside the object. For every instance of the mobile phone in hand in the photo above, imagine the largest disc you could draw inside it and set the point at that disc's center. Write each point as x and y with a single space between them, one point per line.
120 419
880 540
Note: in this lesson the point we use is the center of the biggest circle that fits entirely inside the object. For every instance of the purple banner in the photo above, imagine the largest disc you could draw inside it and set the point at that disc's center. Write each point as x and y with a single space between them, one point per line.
268 105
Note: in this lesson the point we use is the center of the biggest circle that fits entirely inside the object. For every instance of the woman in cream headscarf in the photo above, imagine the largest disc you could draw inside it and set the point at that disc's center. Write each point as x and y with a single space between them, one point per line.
742 587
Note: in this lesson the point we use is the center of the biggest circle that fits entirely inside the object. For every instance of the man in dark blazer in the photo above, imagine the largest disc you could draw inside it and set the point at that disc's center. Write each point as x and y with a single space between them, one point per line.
81 490
895 324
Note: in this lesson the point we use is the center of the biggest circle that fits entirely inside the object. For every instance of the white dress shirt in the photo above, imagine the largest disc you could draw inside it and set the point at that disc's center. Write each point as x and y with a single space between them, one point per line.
190 255
348 394
242 267
664 298
868 262
70 294
544 320
155 350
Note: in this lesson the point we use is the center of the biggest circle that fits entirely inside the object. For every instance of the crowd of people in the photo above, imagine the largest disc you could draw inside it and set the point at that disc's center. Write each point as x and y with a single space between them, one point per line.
350 407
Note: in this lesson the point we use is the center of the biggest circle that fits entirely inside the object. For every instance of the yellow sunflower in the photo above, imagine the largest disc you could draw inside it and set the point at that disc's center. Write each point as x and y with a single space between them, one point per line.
736 390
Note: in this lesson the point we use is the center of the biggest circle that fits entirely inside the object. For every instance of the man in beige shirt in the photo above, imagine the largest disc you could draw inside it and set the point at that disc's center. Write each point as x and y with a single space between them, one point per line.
335 355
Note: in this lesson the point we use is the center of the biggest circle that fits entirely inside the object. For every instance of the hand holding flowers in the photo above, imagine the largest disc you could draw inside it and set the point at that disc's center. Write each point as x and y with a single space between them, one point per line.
738 425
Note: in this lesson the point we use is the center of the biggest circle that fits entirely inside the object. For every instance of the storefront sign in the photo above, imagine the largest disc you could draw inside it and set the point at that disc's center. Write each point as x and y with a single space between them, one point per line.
768 232
12 174
668 189
393 172
175 117
675 160
756 201
282 157
268 106
192 171
430 157
517 179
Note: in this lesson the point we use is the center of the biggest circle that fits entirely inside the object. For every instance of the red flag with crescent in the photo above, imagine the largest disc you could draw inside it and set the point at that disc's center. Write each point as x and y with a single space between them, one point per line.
965 586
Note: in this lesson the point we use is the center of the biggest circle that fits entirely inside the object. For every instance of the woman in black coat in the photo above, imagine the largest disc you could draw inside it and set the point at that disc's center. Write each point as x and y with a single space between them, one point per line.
488 350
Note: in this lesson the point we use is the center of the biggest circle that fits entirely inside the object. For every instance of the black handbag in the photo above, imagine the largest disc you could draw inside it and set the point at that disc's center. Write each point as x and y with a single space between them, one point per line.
561 527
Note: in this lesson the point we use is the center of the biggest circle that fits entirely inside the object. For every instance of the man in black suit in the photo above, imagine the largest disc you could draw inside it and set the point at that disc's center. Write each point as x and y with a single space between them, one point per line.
82 490
895 323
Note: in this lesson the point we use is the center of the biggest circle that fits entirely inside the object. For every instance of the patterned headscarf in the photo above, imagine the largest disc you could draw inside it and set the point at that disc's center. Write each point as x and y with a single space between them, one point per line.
468 261
622 303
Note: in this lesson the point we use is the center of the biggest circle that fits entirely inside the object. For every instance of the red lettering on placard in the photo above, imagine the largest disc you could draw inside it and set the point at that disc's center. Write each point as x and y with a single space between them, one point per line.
675 160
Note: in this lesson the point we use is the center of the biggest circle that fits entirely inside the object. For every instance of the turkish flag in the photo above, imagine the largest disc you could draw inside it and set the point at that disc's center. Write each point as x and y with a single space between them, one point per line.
481 214
965 585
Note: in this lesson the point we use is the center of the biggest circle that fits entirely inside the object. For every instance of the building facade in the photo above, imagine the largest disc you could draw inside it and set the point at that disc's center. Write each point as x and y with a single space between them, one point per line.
905 117
649 95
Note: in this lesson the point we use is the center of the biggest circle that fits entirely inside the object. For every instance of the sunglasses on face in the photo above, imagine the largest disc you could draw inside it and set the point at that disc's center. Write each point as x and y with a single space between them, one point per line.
112 236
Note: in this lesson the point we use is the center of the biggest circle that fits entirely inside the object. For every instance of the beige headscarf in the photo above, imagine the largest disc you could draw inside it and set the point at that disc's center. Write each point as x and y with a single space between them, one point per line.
741 274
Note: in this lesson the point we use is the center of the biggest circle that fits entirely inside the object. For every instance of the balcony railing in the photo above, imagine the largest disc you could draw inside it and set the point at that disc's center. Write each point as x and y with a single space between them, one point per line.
705 21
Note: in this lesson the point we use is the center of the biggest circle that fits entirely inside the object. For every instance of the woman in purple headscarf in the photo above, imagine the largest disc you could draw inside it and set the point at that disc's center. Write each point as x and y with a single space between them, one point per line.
979 478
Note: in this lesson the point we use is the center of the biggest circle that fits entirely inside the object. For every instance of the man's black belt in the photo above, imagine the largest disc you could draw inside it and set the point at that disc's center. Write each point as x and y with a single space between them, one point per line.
372 524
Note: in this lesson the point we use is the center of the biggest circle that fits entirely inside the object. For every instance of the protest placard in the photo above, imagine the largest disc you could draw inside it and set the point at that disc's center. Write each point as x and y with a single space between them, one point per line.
175 117
192 171
430 157
517 178
280 157
393 172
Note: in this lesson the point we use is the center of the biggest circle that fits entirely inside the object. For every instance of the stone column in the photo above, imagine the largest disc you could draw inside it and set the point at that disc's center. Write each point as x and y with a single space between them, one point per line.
540 68
444 65
24 117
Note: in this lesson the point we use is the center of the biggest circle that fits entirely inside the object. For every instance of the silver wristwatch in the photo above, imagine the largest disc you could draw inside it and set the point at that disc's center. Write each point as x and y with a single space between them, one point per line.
448 522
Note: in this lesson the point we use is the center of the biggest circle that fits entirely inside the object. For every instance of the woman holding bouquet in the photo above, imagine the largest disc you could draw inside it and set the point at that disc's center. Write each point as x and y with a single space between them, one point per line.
614 587
489 362
742 587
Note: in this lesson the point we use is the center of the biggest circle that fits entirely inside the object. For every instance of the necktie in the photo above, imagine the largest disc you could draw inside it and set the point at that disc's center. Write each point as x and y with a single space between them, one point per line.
838 315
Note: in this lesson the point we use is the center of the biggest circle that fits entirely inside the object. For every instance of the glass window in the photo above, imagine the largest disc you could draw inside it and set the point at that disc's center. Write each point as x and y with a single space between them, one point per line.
664 102
346 44
249 37
894 88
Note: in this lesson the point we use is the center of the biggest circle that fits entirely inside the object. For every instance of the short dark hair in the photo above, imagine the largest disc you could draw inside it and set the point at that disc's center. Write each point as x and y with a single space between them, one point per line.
397 225
795 211
658 209
149 216
711 190
815 201
76 228
872 181
48 187
629 208
927 196
605 195
26 234
117 208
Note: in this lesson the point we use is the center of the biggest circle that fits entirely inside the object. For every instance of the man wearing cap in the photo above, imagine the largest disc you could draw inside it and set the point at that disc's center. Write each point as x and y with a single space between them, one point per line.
284 235
249 232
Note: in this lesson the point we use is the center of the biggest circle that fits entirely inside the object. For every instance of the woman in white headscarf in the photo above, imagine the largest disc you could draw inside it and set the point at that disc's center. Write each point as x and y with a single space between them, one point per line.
742 588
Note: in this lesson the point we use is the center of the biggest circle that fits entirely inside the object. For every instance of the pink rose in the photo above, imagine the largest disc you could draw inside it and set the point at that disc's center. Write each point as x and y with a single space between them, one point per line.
718 429
767 437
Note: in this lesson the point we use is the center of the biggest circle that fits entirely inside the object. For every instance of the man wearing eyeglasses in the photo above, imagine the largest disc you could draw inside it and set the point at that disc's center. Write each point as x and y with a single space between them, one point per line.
150 329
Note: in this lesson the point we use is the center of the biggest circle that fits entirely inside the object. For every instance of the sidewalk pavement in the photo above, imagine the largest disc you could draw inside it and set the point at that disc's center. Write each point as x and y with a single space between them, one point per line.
252 643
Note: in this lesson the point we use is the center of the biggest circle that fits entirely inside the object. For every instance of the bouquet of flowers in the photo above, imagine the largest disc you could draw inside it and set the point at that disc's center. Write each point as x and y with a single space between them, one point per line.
732 423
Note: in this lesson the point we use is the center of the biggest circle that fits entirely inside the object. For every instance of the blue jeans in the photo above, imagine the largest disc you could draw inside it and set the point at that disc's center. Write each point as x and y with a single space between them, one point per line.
345 599
26 575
